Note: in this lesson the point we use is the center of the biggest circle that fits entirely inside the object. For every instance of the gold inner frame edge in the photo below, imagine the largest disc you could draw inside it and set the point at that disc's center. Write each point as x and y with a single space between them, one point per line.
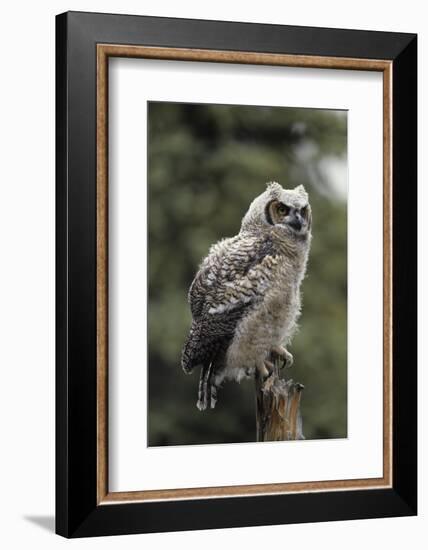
104 51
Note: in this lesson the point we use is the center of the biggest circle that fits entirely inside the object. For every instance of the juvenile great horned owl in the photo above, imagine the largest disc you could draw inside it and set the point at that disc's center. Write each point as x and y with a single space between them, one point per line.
245 298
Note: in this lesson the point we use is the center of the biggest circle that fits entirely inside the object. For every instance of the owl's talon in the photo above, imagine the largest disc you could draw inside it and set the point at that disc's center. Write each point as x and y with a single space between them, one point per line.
265 369
284 356
270 367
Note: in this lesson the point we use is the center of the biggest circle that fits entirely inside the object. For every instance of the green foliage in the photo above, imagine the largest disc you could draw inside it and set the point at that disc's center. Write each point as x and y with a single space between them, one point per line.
206 164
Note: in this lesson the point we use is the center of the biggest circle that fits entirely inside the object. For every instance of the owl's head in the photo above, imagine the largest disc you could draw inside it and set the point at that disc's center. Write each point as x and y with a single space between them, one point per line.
287 210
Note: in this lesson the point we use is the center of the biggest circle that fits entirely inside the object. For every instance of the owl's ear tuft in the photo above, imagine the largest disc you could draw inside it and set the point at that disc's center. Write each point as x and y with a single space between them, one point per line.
274 189
301 190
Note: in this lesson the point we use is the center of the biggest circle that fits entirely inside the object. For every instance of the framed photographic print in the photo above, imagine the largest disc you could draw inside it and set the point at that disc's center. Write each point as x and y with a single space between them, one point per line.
236 274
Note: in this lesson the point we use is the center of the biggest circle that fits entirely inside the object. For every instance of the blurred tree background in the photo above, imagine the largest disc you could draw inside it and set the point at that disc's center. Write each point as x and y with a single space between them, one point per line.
206 165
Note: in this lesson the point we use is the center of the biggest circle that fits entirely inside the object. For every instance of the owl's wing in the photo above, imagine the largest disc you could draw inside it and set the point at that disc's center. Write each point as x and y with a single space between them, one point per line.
234 276
246 280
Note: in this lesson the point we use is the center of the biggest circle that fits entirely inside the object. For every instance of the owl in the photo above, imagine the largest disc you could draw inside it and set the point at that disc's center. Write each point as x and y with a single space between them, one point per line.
245 299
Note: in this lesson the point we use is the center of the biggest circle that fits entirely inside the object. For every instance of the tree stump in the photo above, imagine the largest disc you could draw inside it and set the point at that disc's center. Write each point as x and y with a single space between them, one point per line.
278 415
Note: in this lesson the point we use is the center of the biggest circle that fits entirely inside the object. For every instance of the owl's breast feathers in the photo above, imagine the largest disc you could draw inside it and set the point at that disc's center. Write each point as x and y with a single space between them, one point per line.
233 278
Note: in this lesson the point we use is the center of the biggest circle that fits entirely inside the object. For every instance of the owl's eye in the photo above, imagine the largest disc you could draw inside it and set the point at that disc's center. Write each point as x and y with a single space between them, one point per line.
304 211
283 209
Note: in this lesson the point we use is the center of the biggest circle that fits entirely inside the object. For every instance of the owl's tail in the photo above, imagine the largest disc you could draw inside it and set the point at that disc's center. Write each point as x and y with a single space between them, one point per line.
207 392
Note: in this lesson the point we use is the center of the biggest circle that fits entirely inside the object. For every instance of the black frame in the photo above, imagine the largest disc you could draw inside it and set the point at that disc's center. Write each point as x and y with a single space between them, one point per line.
77 513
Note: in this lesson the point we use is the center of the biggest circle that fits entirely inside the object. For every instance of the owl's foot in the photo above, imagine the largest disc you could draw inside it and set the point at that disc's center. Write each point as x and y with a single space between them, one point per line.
265 369
283 355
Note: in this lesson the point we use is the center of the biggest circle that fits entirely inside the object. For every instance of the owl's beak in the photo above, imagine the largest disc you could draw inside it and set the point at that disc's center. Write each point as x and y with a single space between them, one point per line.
295 220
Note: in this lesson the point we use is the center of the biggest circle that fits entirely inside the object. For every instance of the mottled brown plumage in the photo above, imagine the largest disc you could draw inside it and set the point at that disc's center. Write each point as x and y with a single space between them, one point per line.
245 298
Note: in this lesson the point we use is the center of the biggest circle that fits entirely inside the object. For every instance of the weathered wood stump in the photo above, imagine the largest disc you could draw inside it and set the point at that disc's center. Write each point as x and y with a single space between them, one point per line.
278 414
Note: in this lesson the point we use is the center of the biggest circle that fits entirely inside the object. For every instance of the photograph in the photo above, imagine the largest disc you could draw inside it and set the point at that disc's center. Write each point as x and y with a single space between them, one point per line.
247 273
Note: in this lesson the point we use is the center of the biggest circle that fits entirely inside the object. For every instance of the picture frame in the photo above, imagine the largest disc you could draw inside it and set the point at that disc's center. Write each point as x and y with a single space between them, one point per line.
84 44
